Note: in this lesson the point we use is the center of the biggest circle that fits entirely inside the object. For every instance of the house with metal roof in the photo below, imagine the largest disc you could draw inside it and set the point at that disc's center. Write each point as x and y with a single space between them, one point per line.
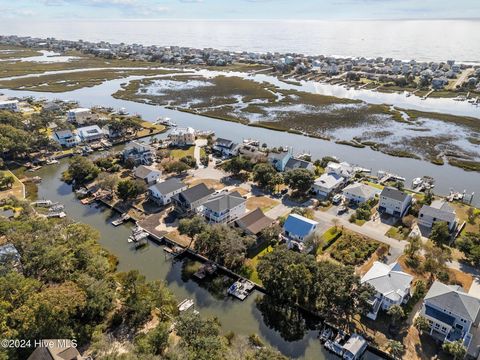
394 202
254 222
359 193
392 286
297 229
451 313
148 174
438 210
224 208
190 200
354 348
327 184
162 192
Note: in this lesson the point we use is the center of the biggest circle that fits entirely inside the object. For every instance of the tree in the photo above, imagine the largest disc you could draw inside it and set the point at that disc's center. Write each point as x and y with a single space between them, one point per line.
223 244
300 180
107 182
413 247
192 226
455 348
436 258
6 181
440 232
469 244
129 189
81 170
396 312
395 348
422 324
154 342
189 161
176 167
364 212
238 164
263 174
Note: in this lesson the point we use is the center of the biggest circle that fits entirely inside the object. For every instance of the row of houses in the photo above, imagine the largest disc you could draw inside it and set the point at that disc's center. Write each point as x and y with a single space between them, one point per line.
451 312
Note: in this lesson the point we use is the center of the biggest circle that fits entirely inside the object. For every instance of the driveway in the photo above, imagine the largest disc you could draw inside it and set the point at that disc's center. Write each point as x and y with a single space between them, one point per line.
199 143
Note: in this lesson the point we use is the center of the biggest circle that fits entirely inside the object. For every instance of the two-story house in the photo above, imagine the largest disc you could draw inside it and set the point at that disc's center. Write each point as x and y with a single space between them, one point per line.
451 312
80 116
225 147
279 159
297 229
162 192
90 133
392 286
394 202
326 184
224 208
359 193
139 153
66 138
190 200
438 210
182 136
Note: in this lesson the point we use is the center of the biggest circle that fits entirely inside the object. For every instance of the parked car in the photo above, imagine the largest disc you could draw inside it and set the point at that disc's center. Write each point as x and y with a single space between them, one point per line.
337 199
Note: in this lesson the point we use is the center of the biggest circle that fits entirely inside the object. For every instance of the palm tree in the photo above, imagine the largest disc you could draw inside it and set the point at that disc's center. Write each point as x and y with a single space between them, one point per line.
395 348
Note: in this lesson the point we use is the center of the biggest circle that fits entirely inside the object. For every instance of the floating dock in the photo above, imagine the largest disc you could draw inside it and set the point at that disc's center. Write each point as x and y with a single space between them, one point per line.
241 289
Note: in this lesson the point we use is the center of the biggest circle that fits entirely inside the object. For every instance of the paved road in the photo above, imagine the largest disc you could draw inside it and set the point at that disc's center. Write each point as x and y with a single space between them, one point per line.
278 211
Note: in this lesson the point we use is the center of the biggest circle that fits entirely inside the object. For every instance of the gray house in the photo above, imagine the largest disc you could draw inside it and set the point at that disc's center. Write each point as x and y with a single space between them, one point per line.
438 210
190 200
394 202
451 312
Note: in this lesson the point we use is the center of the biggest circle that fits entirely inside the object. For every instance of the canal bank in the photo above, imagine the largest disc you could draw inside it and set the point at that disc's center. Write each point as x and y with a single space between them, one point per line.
242 317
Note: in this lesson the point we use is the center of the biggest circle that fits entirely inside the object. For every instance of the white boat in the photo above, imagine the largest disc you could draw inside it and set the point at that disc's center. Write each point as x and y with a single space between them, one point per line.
417 182
185 305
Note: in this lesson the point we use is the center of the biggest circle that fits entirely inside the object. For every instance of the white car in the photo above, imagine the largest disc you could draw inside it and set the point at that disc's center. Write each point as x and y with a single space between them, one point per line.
337 199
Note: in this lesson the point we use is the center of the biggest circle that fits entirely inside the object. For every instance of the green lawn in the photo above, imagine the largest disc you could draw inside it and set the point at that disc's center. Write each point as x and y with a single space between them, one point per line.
395 233
177 154
328 238
375 185
253 262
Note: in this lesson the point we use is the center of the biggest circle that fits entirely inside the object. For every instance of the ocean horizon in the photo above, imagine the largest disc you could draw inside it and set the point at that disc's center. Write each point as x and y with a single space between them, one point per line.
422 40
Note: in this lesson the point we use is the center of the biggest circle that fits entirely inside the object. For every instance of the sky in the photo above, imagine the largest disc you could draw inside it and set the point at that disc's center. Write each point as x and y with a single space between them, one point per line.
240 9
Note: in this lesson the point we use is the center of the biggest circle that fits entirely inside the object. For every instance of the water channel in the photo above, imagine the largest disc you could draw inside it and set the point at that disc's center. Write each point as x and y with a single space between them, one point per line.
447 177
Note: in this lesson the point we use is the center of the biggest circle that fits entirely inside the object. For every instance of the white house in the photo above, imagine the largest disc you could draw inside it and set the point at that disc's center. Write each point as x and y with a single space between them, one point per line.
139 153
327 184
394 202
439 210
392 286
359 193
162 192
90 133
451 313
342 169
80 115
66 138
11 105
148 174
297 229
224 208
354 348
182 136
225 147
